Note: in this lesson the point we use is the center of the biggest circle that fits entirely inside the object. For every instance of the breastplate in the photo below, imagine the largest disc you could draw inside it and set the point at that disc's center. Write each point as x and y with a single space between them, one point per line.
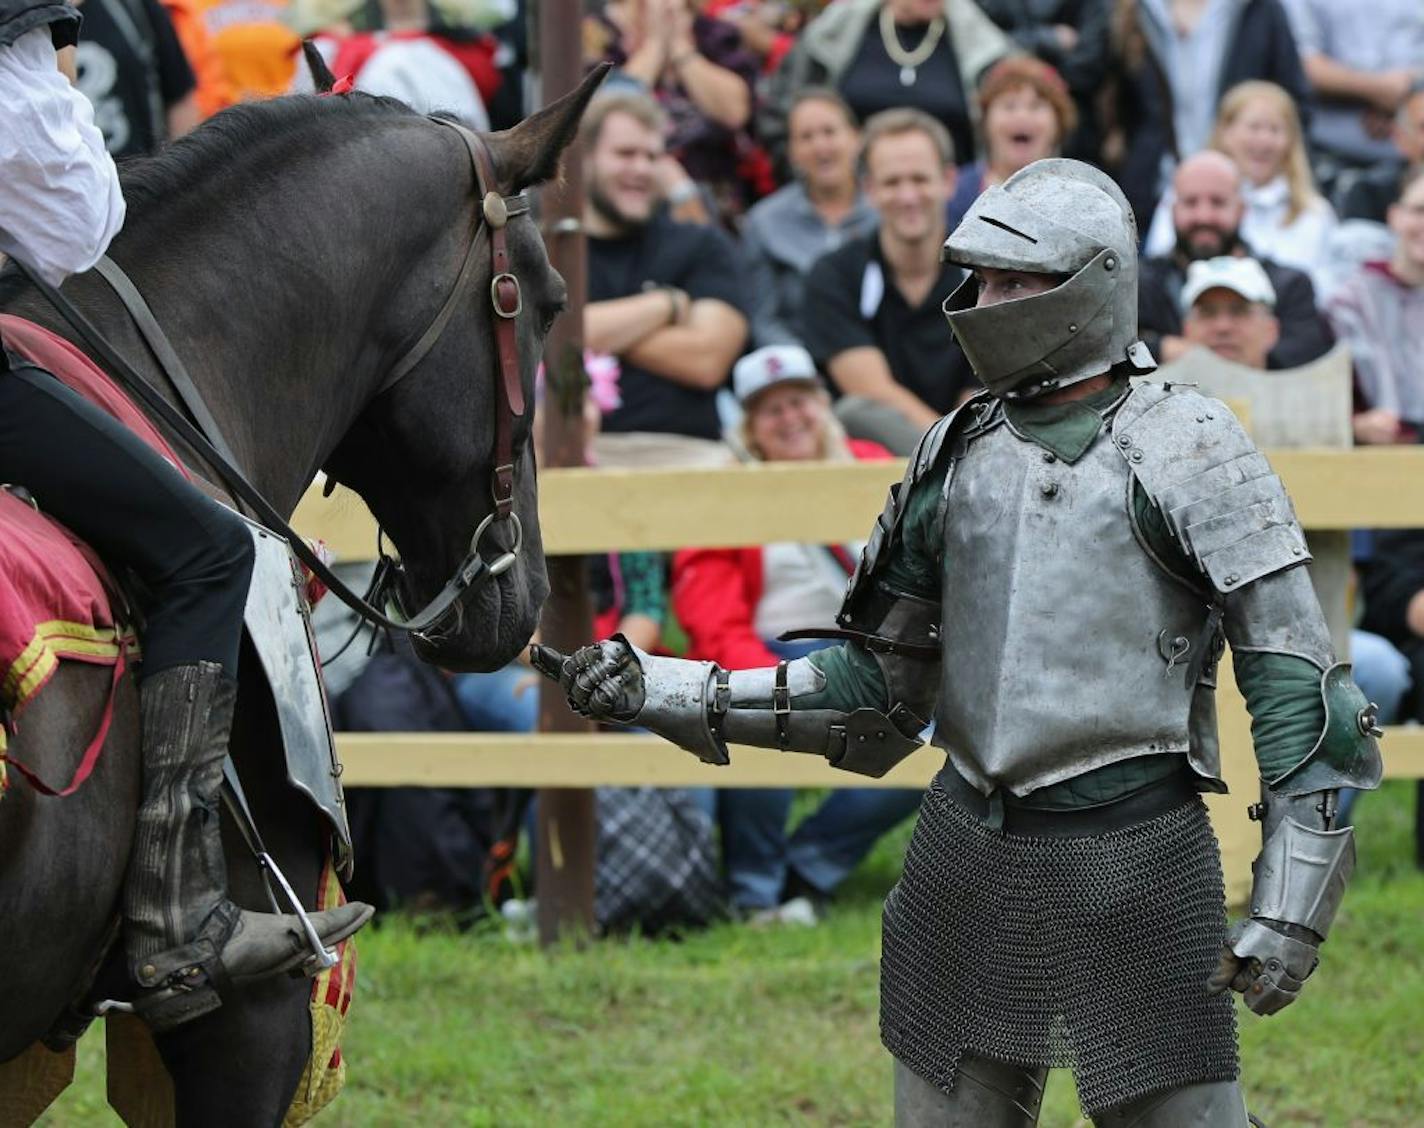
1059 629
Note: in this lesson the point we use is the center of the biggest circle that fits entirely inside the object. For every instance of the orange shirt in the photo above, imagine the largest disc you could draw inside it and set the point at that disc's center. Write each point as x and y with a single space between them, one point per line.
257 49
213 91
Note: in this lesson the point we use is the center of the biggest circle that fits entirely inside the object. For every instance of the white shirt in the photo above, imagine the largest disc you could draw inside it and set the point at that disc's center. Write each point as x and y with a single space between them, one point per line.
802 586
60 203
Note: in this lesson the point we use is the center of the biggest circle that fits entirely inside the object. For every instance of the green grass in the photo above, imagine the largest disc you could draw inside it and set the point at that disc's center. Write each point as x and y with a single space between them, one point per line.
742 1027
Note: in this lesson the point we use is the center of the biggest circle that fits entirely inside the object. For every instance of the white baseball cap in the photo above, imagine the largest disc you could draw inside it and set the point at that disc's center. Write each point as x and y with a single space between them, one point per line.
1244 276
774 364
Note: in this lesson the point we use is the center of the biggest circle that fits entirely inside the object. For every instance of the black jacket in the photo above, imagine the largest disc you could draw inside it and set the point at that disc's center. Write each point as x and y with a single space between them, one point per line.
20 16
1305 334
1262 46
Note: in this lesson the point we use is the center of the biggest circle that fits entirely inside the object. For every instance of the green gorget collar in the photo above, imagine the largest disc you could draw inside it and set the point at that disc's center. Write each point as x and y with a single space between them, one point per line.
1066 429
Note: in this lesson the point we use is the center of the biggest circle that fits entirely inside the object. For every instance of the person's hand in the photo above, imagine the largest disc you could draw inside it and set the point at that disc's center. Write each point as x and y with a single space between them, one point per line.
1377 426
603 682
1266 962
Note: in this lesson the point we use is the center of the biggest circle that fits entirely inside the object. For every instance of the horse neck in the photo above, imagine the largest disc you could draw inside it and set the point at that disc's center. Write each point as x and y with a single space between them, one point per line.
286 305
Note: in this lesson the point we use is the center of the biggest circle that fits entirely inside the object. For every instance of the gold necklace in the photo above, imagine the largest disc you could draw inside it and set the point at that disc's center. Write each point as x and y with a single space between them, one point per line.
908 60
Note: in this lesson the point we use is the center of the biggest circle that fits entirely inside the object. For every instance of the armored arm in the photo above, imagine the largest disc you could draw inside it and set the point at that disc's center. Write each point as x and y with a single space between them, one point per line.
1231 516
862 705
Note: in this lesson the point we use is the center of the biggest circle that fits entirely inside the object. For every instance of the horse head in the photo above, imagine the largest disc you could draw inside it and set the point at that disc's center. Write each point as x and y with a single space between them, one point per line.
425 453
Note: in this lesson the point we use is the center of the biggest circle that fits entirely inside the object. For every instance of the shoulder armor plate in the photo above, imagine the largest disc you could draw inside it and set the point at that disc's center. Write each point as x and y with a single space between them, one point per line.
1216 491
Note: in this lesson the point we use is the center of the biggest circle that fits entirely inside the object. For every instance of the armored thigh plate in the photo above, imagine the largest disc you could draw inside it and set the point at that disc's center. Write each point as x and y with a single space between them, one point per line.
279 626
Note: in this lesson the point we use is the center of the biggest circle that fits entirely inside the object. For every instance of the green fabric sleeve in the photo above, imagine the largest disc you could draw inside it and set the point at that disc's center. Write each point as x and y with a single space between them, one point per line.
644 592
1287 711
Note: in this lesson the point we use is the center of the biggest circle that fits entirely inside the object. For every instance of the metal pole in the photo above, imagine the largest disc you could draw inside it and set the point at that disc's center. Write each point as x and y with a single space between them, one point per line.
567 831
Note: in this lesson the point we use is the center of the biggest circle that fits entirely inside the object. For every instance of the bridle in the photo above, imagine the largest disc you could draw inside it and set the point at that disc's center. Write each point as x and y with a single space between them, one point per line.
206 440
506 303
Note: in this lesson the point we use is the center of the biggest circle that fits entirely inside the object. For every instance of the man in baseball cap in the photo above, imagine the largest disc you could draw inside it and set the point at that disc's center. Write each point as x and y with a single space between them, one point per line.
1228 306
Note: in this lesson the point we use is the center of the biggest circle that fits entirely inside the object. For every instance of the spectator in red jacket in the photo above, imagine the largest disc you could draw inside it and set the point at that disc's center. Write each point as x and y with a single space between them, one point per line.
733 603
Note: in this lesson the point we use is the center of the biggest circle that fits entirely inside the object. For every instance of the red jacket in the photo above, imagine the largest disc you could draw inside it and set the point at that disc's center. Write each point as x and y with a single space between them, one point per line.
715 593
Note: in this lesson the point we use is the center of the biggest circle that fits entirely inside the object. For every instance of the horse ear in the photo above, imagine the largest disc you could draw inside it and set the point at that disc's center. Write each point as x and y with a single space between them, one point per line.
529 153
320 72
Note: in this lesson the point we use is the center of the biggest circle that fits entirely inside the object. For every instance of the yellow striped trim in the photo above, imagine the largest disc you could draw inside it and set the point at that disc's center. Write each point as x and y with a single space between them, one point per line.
51 641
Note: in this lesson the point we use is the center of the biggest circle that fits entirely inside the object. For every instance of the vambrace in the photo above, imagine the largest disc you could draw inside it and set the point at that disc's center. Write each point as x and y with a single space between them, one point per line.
702 707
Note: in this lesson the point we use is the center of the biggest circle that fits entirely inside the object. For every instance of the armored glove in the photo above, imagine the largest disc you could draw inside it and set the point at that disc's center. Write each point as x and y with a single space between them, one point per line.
603 682
1267 962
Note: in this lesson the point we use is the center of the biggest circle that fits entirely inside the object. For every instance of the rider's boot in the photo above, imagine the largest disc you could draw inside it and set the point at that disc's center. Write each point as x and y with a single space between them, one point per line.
186 941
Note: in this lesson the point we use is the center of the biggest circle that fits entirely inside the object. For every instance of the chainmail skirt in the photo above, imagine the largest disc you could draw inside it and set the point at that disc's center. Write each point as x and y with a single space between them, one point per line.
1089 953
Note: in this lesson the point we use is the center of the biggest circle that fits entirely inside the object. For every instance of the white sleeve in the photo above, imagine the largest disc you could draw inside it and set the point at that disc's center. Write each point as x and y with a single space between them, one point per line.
60 203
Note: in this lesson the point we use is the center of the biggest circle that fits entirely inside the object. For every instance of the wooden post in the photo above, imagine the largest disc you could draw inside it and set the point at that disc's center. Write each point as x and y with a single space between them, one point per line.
566 837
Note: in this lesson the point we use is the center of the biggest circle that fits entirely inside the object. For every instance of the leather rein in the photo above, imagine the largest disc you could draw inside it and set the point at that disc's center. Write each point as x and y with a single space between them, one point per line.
206 439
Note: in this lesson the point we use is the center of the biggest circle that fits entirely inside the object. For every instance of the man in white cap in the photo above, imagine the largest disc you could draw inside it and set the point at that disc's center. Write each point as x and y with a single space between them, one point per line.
1228 306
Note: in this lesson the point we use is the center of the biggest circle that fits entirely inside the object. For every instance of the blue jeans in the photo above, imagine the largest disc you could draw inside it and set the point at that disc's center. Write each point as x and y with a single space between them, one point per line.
490 704
1382 672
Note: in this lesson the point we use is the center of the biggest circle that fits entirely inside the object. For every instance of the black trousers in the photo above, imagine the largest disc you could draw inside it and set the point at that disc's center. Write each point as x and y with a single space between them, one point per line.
106 484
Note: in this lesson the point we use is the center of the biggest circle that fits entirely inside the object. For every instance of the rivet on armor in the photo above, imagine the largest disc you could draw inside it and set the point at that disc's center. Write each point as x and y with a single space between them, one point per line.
149 971
1049 489
860 739
1109 263
1201 418
1231 579
1136 456
1295 550
1049 456
1124 441
1072 328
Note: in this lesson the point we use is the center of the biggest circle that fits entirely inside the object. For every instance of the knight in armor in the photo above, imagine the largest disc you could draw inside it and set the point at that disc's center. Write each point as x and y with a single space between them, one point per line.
60 205
1052 584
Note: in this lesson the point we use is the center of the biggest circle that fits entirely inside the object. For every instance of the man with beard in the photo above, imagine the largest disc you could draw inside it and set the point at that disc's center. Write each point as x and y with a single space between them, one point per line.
666 299
1207 215
1053 582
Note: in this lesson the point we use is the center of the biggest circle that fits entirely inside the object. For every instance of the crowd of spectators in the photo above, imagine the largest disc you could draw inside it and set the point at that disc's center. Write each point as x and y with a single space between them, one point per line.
768 187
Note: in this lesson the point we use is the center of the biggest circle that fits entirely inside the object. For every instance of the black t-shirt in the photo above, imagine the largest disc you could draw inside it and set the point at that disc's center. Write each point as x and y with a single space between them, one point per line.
852 302
872 83
131 68
701 260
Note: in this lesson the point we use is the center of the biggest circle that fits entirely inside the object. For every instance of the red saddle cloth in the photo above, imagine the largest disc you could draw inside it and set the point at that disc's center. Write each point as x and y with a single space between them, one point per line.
55 600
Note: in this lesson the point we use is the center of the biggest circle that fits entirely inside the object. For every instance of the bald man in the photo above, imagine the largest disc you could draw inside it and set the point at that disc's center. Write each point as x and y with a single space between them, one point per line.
1207 217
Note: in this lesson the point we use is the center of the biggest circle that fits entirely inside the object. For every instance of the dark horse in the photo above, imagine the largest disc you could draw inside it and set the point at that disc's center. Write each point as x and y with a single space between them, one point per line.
293 250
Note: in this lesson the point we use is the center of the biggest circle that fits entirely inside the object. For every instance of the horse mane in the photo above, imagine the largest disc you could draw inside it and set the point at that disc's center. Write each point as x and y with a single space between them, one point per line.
239 135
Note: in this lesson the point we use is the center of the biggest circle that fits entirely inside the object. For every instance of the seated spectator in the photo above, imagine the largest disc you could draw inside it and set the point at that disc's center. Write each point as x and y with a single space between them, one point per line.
664 298
1071 36
872 317
1286 219
788 231
1024 115
1361 59
886 54
734 602
1379 313
1229 307
697 70
1367 193
1206 217
1171 62
133 70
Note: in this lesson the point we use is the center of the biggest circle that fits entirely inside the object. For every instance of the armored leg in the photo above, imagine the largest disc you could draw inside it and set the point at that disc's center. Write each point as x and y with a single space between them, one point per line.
986 1094
1212 1104
185 938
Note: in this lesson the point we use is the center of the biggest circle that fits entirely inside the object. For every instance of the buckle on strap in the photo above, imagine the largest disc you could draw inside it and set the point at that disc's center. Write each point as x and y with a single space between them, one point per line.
497 290
781 705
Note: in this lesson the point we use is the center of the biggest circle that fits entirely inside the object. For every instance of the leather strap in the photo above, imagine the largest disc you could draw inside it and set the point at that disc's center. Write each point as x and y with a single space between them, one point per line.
163 352
877 644
781 706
